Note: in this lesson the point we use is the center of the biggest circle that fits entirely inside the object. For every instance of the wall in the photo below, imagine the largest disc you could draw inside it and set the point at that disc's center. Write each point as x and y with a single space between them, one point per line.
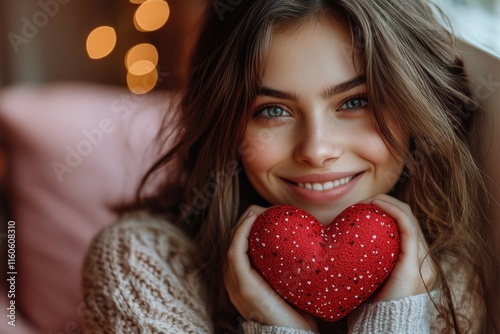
484 71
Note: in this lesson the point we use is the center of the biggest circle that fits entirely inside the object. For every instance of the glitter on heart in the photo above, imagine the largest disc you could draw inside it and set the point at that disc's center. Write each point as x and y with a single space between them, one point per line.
327 271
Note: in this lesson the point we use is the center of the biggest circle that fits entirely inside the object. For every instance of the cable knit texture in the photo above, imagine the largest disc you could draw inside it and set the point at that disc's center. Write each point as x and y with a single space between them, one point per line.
405 316
138 277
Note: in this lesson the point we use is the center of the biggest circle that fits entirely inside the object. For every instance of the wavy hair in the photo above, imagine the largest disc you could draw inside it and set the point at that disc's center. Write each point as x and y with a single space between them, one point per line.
416 81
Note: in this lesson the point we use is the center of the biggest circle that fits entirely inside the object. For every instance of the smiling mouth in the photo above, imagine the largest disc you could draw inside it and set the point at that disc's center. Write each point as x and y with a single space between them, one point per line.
326 185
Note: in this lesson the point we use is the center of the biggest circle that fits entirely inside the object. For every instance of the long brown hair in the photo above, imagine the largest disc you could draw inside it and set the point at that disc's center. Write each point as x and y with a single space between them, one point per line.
415 81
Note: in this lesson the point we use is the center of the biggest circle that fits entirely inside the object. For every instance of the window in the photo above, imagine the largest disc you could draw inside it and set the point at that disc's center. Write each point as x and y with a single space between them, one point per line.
477 22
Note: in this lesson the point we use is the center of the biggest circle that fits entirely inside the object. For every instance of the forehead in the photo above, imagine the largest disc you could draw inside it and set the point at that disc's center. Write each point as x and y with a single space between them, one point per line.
316 49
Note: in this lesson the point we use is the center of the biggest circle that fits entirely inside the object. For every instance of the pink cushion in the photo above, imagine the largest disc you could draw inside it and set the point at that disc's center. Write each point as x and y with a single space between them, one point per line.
75 149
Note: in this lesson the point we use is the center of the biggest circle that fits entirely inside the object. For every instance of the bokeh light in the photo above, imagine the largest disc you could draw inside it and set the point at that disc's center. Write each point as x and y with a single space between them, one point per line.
141 60
151 15
141 67
100 42
141 84
140 53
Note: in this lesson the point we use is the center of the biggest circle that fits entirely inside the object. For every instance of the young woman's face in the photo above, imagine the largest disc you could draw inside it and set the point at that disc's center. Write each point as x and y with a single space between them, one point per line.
311 141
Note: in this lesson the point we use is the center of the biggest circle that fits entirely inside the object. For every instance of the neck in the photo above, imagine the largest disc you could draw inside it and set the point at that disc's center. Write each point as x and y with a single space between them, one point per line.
338 327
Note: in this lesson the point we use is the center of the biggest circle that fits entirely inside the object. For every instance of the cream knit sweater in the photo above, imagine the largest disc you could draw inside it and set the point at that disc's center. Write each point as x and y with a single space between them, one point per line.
138 277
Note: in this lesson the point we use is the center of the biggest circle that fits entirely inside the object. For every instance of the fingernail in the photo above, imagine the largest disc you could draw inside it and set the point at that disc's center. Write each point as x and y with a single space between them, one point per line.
250 214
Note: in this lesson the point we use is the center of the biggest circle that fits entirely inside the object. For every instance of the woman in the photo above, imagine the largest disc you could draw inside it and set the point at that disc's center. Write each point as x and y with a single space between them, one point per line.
256 124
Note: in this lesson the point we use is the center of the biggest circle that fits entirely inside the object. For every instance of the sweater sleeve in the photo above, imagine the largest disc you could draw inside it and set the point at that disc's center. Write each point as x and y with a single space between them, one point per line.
407 315
138 278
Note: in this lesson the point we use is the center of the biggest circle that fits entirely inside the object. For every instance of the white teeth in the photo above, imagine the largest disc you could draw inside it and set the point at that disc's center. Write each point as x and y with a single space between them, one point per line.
317 186
326 185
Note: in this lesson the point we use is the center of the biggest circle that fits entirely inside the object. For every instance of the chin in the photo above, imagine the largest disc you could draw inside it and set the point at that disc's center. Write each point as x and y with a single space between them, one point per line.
325 217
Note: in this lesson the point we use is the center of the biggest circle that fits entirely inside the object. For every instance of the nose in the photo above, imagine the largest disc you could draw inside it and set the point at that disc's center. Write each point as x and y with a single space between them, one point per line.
318 144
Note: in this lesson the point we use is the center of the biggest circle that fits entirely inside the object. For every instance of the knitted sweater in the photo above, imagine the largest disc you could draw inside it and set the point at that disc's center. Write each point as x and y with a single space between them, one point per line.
139 277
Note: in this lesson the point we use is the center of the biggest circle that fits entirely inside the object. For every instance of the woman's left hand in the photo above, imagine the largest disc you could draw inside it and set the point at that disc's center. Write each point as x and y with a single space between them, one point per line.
406 279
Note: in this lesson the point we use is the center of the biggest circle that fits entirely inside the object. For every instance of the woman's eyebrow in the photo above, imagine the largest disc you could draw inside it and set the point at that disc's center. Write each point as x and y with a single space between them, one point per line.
326 94
283 95
343 87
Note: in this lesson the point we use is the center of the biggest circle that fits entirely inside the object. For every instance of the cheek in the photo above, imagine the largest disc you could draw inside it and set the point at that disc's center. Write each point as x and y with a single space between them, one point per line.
377 146
388 167
373 148
260 149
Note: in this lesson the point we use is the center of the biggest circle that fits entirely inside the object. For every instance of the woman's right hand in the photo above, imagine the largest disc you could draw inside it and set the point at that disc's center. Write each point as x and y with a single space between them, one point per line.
254 299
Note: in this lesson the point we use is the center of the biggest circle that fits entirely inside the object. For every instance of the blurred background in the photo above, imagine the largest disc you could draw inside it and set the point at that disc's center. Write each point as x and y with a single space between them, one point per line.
111 50
48 40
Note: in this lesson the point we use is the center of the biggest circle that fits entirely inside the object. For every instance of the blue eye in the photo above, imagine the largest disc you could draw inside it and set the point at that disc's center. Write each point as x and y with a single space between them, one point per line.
272 112
355 103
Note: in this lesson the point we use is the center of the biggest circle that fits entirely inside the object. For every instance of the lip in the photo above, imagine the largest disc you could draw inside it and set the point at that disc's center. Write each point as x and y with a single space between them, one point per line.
328 195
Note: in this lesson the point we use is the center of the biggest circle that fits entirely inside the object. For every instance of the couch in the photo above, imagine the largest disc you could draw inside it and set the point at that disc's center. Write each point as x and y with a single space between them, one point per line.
75 150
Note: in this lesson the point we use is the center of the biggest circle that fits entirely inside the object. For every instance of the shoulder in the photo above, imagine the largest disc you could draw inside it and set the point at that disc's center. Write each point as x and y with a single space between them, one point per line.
139 272
139 241
140 230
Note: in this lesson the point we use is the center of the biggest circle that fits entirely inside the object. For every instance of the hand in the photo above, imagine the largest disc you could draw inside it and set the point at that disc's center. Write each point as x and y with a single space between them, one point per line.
251 295
406 279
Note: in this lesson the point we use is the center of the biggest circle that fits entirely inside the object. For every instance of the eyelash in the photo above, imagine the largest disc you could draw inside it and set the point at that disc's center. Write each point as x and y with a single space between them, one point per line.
353 98
260 110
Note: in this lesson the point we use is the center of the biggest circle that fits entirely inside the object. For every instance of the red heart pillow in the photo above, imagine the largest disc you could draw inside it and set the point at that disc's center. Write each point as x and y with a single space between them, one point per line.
326 271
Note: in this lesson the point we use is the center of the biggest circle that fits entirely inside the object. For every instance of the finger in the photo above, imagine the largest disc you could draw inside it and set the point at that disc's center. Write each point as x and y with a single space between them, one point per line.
237 252
408 230
255 208
239 243
404 212
412 238
405 208
242 232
